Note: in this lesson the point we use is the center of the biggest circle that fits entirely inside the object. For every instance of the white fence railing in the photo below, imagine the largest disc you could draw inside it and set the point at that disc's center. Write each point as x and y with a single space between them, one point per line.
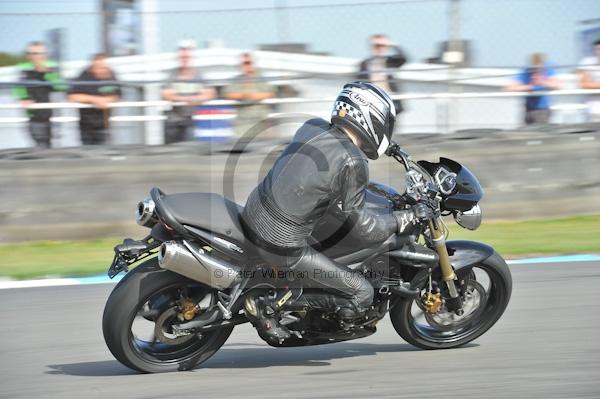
434 112
275 101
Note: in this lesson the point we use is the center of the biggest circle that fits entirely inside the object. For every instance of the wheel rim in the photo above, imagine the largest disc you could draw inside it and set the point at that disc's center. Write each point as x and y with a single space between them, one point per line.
143 326
482 299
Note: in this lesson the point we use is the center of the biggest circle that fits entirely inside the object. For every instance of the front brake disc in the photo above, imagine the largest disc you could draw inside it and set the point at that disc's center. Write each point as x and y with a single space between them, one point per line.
474 303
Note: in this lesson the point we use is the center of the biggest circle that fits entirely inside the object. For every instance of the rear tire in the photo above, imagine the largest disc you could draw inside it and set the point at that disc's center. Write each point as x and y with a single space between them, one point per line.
122 307
427 337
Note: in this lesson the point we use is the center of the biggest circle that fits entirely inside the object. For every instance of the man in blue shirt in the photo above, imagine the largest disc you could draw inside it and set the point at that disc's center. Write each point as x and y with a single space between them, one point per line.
539 76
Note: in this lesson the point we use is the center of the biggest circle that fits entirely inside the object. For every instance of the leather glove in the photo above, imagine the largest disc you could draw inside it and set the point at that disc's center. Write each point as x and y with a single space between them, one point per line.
423 211
405 221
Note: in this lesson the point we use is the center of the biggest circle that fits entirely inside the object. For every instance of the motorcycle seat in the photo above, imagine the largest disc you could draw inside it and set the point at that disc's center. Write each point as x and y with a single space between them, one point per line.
207 211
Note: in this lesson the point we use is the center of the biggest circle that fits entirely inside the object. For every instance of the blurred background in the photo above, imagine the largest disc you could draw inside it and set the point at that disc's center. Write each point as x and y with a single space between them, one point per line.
102 99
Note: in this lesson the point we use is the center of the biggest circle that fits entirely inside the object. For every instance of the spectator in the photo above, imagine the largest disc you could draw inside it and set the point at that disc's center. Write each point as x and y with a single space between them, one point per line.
249 90
539 76
184 87
376 69
589 78
93 122
39 69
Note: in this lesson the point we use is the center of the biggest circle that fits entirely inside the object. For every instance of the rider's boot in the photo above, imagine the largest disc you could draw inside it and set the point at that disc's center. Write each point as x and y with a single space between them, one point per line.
345 308
265 319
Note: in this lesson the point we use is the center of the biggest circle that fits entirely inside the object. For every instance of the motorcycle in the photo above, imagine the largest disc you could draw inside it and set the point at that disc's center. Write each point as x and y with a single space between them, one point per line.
196 269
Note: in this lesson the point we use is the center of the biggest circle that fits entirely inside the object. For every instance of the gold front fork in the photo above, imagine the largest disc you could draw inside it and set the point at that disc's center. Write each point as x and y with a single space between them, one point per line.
439 241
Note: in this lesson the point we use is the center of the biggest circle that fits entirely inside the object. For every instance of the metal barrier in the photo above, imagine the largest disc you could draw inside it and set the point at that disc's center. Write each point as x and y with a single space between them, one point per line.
276 101
440 113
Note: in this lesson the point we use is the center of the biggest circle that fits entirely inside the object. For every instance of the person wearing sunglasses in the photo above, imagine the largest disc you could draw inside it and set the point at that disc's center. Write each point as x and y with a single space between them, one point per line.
38 69
379 67
186 90
249 89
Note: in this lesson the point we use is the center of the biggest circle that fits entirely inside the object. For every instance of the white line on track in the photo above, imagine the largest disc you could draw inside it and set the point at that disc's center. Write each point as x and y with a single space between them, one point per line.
57 282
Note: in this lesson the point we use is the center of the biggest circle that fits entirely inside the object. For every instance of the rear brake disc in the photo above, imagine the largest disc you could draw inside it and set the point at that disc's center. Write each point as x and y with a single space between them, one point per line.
164 332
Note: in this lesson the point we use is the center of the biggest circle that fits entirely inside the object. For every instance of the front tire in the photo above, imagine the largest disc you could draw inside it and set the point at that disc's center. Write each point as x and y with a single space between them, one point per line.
142 286
427 332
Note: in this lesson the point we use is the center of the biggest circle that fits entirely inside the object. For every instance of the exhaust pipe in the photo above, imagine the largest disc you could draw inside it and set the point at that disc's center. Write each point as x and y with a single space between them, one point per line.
193 262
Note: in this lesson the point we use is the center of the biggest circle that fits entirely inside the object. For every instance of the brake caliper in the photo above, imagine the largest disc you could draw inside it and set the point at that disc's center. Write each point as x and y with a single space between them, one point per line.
188 309
432 302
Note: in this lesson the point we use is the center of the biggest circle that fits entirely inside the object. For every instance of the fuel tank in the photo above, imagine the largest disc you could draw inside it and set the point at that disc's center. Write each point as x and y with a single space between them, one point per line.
333 236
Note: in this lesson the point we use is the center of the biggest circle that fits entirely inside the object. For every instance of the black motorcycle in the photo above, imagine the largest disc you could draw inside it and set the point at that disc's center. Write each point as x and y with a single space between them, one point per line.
179 305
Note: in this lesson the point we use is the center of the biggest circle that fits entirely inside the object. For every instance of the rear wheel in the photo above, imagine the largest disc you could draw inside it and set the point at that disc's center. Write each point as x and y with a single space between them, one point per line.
138 317
485 296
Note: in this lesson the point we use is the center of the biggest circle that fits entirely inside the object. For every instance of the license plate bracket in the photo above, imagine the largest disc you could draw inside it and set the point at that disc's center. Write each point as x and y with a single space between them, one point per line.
130 252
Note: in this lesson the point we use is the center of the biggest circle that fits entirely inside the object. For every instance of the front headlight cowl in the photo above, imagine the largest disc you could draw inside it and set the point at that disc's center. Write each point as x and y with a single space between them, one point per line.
144 214
470 219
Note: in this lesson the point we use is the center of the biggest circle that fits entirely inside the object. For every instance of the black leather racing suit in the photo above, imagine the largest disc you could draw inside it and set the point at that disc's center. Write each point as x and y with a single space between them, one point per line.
320 168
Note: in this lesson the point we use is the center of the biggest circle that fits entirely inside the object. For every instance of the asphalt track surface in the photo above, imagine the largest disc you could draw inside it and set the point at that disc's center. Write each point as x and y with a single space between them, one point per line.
547 345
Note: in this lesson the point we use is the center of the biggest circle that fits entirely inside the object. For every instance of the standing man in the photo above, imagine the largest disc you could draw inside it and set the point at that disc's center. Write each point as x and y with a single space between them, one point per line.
249 90
589 78
38 69
385 55
94 122
539 76
184 87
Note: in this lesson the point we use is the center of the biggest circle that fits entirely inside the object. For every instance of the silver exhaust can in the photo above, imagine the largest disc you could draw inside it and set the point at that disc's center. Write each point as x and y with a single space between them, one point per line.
193 262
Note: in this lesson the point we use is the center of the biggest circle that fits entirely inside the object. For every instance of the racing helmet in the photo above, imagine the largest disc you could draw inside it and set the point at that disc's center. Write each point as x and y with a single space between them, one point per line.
368 112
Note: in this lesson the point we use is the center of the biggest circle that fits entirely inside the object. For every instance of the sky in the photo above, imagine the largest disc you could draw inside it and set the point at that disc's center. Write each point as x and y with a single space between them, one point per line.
502 32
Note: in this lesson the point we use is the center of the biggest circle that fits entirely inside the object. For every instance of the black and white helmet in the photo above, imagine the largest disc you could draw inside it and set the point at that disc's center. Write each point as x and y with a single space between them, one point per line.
369 112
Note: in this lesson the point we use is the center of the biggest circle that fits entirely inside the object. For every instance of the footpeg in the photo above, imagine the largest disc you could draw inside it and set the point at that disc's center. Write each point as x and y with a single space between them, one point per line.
286 297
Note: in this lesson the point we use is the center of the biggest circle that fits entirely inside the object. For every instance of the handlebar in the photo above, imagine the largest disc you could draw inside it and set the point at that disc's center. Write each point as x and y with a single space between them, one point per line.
419 182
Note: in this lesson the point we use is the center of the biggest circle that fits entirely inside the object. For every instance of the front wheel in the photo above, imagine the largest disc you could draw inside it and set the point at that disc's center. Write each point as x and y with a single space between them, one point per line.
485 293
138 315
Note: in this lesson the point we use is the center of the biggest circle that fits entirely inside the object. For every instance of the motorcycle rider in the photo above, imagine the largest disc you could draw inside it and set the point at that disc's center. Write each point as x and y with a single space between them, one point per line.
325 165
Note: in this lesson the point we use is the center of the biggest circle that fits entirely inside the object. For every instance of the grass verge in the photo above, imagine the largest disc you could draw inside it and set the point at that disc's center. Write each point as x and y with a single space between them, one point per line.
580 234
572 235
